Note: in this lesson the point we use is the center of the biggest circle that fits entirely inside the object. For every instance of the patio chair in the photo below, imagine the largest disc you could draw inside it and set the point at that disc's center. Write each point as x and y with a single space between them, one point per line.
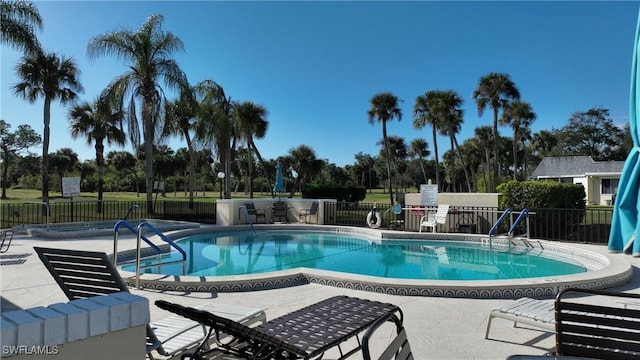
528 311
258 213
430 220
595 327
280 211
313 211
84 274
6 236
303 334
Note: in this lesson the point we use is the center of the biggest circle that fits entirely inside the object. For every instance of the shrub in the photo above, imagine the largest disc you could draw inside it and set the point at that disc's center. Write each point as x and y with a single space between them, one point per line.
332 191
558 207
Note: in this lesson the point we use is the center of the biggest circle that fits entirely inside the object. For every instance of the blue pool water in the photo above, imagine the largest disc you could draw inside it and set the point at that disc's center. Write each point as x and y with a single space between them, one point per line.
219 254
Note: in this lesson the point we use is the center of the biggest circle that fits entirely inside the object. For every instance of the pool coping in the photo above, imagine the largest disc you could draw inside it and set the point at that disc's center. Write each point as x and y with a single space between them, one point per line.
50 232
614 272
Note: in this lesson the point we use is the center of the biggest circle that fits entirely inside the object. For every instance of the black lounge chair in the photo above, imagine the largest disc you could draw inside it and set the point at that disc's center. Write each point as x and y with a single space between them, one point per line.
306 213
280 212
84 274
258 213
6 236
589 330
303 334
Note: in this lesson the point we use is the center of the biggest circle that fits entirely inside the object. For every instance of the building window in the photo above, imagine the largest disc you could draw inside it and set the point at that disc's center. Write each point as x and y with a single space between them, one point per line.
609 186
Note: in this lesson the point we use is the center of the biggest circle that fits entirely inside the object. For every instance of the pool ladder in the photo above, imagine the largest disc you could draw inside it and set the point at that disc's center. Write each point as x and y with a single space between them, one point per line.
511 240
138 231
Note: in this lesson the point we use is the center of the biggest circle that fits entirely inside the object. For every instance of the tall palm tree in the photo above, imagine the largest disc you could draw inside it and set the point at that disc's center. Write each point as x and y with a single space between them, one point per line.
384 107
180 115
99 121
424 113
517 114
447 109
52 77
18 21
148 51
214 125
495 90
419 149
251 122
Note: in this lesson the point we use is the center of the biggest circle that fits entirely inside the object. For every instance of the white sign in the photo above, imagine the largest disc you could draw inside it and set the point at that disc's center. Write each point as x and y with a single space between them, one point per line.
70 186
428 195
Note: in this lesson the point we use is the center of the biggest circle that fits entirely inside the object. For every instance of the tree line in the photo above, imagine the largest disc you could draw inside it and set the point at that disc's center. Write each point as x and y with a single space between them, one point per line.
220 132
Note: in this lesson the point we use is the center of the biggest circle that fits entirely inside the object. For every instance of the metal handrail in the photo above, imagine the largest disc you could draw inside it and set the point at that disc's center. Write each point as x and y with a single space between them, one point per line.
495 226
145 224
246 212
126 225
524 212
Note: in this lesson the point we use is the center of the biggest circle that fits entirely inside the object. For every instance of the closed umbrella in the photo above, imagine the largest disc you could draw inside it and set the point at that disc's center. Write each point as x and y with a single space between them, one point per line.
278 187
625 224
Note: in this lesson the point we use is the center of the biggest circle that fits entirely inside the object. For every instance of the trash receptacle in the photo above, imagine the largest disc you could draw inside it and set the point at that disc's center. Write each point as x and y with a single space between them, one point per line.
466 228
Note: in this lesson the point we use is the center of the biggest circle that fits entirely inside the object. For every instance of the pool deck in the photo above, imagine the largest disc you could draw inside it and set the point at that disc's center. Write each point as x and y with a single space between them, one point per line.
437 327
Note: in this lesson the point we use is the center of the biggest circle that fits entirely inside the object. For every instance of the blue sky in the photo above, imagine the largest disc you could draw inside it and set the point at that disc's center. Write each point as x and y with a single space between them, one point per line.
315 65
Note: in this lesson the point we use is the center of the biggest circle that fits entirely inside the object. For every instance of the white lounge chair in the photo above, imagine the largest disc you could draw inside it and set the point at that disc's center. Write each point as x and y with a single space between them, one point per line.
430 220
539 313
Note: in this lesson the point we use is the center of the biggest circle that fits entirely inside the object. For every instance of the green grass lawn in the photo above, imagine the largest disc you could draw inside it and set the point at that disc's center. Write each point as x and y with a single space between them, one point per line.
24 195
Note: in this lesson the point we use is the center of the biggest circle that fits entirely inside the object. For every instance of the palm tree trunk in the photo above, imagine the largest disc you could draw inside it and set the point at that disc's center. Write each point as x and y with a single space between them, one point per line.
424 173
435 151
45 154
100 162
264 168
515 154
5 173
464 165
147 119
453 164
386 150
495 150
192 166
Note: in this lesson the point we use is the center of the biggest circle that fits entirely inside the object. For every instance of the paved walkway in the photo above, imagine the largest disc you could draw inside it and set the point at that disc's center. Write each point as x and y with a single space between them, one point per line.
438 328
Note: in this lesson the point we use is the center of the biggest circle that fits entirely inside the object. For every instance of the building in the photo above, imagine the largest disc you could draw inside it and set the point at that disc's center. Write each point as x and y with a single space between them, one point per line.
599 178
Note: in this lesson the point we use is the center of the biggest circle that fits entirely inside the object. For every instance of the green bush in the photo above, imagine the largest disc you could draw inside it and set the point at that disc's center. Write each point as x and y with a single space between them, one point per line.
332 191
557 208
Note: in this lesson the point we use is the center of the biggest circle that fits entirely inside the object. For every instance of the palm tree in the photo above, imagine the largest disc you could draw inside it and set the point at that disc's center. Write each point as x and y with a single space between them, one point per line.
495 90
517 114
384 107
544 141
18 20
180 117
62 162
214 124
149 54
99 121
304 162
447 104
251 122
51 77
423 114
419 149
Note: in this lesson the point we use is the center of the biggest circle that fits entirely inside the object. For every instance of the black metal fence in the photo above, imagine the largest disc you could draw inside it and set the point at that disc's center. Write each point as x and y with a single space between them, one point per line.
590 226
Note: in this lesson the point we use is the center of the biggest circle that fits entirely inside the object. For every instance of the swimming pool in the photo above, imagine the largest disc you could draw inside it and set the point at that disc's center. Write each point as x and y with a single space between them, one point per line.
241 253
602 271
